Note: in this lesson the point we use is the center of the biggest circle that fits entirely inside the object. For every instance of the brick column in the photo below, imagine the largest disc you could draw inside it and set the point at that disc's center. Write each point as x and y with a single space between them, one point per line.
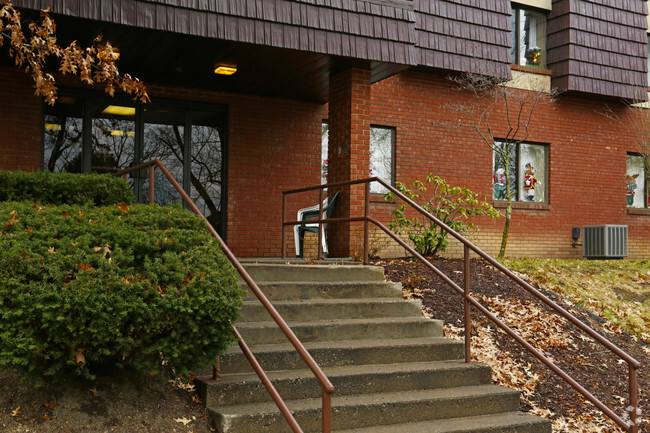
349 156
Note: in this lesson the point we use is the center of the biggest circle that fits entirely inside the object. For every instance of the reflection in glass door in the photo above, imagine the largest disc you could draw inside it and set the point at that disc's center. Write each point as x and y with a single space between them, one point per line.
207 161
163 138
62 136
112 136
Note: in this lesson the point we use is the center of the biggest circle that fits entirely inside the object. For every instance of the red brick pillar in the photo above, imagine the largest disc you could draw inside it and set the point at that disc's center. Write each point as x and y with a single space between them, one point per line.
349 156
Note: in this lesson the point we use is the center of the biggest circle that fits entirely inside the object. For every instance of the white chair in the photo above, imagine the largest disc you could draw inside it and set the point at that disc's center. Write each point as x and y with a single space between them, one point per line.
306 214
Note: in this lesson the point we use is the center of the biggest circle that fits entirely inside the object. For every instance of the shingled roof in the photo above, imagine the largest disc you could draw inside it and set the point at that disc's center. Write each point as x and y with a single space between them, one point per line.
363 30
464 36
599 47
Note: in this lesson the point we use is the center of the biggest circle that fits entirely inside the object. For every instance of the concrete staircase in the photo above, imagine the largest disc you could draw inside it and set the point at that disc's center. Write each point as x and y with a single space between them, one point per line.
392 369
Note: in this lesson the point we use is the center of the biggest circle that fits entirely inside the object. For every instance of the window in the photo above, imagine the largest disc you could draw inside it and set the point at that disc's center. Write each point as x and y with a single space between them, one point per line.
382 146
382 140
527 171
528 37
637 182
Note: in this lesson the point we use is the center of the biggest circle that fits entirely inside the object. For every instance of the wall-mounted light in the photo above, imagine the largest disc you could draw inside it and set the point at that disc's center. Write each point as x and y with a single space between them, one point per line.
222 69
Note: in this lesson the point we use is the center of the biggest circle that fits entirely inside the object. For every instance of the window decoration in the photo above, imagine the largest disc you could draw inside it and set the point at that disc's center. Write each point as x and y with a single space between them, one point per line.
636 182
528 37
527 171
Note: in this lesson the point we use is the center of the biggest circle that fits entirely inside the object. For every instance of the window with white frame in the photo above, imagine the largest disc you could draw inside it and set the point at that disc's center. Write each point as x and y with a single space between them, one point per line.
528 37
382 145
637 182
527 164
382 151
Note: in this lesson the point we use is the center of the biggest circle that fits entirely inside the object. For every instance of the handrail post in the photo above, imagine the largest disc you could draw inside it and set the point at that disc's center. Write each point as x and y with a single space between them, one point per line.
216 369
634 401
468 316
151 185
284 206
327 412
320 225
365 224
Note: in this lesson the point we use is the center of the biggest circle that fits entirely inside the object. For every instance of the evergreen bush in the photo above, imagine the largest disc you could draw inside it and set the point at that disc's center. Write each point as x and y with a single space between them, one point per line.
85 288
64 188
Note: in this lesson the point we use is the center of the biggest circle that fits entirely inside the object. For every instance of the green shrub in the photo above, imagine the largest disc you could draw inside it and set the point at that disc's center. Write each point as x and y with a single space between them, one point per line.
64 188
86 288
454 206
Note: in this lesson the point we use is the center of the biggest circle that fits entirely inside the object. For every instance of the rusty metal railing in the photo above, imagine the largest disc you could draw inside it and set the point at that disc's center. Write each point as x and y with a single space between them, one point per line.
326 385
468 300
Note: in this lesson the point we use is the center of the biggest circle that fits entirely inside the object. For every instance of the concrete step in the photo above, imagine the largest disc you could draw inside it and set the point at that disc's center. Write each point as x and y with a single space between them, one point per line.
343 353
295 290
355 411
511 422
341 329
348 380
253 310
283 272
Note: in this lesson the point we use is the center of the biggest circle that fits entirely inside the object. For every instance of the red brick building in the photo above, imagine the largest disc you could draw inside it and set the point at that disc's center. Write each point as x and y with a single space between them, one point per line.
370 69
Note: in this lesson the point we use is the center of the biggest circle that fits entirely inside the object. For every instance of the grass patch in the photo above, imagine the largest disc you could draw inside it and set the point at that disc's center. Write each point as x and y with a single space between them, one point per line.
616 290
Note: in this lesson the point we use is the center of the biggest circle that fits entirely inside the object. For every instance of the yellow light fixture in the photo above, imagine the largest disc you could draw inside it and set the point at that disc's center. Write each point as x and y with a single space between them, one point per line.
119 110
103 55
221 69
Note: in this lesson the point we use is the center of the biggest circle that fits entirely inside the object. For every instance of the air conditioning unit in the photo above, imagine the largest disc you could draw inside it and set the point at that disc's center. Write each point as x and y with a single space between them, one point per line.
604 242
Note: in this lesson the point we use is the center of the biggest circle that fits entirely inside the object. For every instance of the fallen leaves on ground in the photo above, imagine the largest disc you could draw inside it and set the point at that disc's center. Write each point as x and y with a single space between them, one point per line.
183 420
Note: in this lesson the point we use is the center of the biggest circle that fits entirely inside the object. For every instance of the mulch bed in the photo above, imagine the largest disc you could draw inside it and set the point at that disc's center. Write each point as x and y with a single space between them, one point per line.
589 363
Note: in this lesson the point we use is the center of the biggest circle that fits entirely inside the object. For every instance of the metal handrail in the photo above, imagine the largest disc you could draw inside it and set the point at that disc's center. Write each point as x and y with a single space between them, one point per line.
468 300
327 387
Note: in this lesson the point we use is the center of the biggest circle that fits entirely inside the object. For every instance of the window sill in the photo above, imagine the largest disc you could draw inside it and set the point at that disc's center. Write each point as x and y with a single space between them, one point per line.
379 198
531 69
637 211
499 204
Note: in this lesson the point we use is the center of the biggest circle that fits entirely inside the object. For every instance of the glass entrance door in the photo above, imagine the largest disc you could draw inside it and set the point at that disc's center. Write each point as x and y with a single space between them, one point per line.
90 133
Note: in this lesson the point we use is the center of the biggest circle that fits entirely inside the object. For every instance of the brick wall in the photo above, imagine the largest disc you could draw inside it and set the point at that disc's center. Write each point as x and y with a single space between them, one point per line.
586 166
20 122
274 144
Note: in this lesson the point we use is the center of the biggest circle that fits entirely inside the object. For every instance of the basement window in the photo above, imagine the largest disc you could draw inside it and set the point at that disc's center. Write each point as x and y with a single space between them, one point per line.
528 37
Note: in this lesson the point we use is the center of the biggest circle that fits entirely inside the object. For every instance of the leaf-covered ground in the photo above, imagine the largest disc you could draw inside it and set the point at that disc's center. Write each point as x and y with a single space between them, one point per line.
112 404
592 365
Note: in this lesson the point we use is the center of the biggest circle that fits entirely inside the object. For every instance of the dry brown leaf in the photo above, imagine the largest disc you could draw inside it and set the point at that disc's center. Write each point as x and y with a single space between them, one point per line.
183 420
51 405
16 411
94 392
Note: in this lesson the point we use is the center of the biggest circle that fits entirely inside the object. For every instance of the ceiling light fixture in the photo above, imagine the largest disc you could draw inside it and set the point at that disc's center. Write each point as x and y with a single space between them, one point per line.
222 69
119 110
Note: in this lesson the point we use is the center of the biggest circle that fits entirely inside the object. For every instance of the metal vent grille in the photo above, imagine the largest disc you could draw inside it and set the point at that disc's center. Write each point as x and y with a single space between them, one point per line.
604 242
